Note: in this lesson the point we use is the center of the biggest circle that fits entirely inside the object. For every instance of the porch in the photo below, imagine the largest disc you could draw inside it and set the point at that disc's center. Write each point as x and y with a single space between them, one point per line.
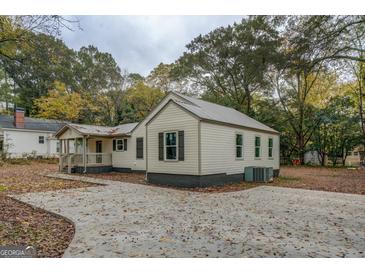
85 154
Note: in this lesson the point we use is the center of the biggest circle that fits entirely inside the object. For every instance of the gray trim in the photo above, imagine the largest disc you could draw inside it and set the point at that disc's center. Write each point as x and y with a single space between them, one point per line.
92 169
104 169
182 180
122 169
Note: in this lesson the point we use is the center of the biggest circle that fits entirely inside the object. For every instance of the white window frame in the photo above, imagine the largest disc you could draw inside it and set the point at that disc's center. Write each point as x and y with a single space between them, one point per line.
235 142
272 148
39 140
260 147
116 145
165 146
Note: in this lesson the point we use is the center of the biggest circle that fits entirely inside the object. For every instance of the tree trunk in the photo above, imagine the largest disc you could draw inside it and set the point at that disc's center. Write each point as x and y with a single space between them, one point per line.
301 147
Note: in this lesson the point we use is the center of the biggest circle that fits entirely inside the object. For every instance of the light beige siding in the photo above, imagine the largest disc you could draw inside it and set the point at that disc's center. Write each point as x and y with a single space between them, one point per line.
70 134
173 118
128 159
218 150
106 145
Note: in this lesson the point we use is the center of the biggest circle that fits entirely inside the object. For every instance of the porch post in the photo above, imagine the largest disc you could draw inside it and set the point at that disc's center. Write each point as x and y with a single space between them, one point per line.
68 156
60 160
84 140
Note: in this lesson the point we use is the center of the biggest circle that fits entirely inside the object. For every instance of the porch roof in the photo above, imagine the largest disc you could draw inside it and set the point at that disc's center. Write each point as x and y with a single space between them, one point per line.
120 130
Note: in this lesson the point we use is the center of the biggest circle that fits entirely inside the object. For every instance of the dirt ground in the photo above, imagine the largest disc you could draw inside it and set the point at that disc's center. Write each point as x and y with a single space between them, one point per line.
326 179
21 224
313 178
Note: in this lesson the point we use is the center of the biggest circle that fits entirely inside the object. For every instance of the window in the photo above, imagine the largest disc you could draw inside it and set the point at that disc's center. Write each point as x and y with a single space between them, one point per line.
120 145
257 146
41 139
58 146
356 153
270 146
239 146
170 146
139 148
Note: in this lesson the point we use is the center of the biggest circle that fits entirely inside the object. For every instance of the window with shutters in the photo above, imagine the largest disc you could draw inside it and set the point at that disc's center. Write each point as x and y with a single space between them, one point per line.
119 145
239 146
139 147
270 146
170 145
257 146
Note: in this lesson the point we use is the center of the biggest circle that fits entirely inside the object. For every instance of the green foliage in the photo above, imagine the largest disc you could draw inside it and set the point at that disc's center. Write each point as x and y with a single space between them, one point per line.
231 63
338 131
60 104
288 72
142 99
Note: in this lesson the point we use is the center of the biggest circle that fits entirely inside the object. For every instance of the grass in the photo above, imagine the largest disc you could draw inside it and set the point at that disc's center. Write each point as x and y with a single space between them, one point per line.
3 188
288 178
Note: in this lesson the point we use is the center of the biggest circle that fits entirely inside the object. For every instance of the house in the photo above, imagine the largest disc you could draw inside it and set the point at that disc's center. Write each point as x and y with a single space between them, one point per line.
312 157
21 136
184 141
356 156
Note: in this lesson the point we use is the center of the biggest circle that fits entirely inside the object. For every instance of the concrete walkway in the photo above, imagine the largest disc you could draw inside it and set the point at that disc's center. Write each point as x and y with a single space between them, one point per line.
131 220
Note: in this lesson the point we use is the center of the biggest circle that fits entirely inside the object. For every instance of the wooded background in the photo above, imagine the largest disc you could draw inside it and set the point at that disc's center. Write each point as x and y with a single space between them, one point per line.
301 75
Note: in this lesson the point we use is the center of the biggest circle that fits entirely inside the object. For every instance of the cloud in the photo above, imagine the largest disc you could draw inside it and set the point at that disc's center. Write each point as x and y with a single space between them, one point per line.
139 43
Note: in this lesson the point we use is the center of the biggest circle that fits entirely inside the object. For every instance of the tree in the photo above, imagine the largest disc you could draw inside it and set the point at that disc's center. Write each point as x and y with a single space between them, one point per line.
357 68
6 95
60 104
296 72
142 99
338 131
38 67
231 63
17 32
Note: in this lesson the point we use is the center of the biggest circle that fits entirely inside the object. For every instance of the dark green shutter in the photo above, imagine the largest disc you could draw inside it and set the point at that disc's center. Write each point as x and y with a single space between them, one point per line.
160 146
139 148
114 144
181 146
125 144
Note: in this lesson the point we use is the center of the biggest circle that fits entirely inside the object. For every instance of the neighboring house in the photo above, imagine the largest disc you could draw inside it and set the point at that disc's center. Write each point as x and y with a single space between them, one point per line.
312 157
183 141
353 158
21 136
356 156
5 106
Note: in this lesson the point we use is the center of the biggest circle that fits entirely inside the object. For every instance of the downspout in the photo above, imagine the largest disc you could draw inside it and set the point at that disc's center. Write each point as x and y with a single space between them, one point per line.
199 149
84 152
146 141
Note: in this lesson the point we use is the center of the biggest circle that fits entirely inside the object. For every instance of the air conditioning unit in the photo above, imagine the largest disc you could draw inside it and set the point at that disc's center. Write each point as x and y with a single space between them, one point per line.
259 174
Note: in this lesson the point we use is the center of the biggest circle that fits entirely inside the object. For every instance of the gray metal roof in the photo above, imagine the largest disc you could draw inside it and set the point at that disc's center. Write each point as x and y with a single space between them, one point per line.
7 121
102 130
219 113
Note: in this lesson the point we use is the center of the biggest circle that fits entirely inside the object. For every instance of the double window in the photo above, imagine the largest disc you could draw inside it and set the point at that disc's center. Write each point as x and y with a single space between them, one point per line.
171 145
41 139
239 146
257 146
270 146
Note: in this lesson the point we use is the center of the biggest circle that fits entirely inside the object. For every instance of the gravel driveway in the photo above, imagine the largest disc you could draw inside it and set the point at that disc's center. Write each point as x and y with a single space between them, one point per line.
131 220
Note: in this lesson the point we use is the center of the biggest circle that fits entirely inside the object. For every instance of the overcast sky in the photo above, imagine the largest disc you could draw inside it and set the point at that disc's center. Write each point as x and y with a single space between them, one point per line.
139 43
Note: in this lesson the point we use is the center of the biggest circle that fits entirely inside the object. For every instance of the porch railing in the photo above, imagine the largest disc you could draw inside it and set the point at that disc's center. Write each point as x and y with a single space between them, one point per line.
92 159
99 158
